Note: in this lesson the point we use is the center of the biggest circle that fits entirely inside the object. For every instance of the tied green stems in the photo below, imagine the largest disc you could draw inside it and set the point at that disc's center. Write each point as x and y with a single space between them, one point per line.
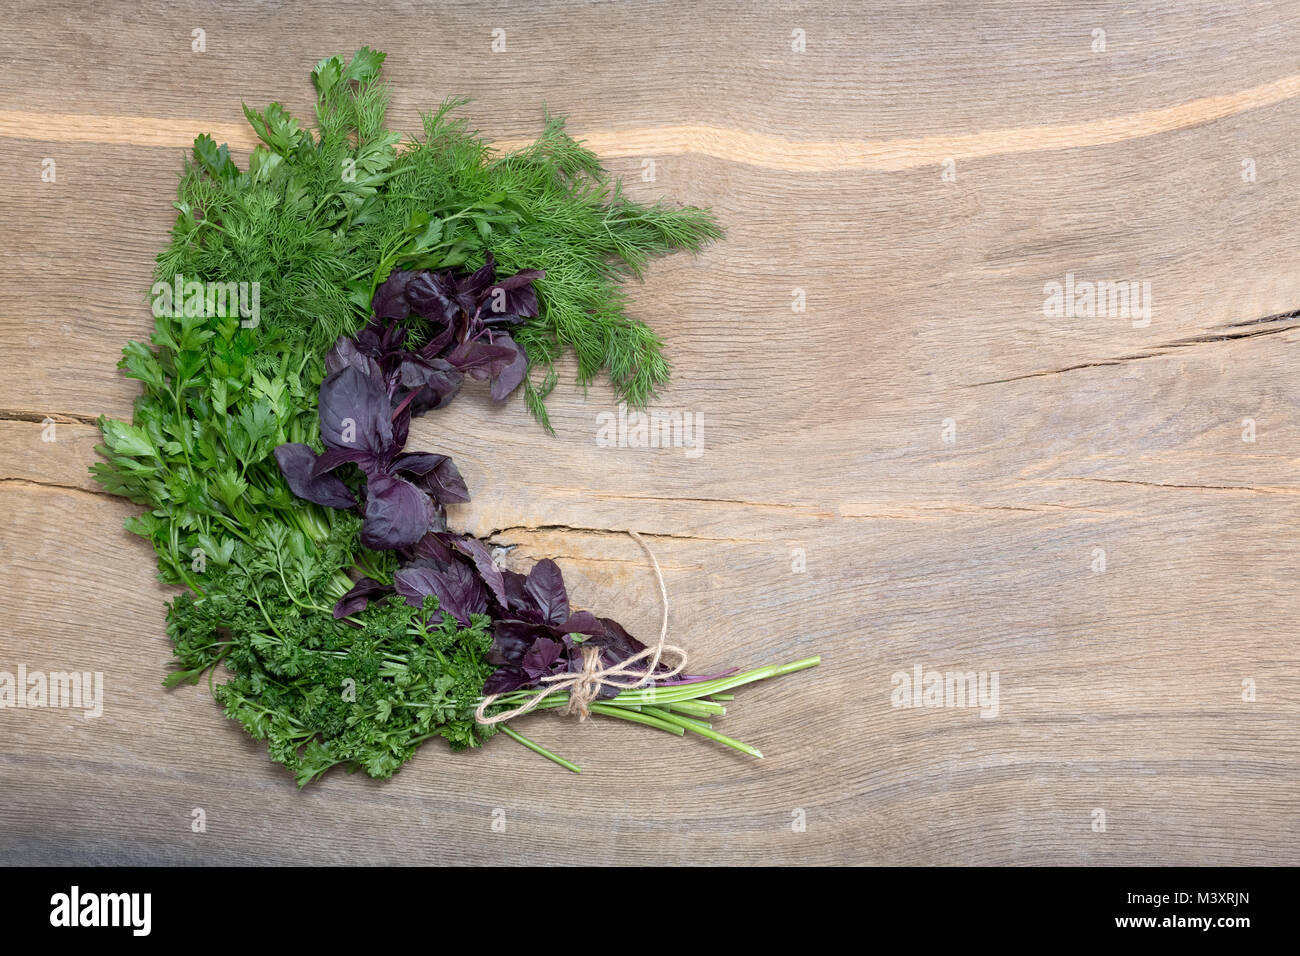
674 709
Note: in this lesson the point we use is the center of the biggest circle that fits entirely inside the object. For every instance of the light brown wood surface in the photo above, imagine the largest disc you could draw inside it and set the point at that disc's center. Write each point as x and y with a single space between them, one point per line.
1120 690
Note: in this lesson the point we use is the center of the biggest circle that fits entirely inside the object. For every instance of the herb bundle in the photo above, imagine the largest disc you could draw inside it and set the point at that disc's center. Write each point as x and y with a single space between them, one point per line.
268 449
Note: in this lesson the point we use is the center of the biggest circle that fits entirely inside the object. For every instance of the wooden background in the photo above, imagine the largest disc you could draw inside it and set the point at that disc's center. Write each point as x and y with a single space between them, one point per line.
1120 690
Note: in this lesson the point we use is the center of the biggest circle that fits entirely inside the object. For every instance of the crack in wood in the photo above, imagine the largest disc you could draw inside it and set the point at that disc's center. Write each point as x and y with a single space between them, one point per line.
923 512
1279 317
796 507
56 486
39 418
1275 490
1282 322
605 532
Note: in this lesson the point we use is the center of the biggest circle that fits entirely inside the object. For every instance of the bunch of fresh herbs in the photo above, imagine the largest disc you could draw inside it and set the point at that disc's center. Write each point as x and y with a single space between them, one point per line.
319 221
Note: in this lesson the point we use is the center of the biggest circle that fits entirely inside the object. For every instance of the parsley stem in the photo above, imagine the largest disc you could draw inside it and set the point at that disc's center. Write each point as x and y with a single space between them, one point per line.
538 748
696 708
234 529
257 598
637 717
704 730
677 692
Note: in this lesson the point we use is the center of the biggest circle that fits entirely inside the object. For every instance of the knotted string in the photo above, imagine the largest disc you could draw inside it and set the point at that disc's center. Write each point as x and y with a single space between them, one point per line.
584 686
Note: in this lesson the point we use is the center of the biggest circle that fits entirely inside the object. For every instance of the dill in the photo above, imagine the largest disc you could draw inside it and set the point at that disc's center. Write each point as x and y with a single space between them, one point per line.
321 215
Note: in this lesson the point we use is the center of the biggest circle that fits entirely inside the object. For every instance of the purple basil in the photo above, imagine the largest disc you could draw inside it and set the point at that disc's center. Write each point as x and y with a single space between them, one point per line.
491 575
375 384
361 594
364 413
355 412
466 319
458 589
397 513
535 617
545 585
296 462
435 474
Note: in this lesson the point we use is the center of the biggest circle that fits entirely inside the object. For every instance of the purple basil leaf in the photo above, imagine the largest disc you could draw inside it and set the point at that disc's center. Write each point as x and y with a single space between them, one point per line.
296 462
492 320
545 585
440 336
487 569
582 622
504 679
332 458
476 357
539 658
432 549
346 352
523 302
459 591
378 338
343 353
390 301
616 645
414 584
521 279
510 641
362 593
436 474
470 288
401 429
432 295
436 380
518 601
397 513
355 412
517 296
507 376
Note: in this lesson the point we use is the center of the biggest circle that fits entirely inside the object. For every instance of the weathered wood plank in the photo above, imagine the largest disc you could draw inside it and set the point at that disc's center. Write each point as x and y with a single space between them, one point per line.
825 431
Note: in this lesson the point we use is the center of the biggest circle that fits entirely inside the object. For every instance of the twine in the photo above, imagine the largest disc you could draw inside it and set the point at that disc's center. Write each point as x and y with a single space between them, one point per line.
584 686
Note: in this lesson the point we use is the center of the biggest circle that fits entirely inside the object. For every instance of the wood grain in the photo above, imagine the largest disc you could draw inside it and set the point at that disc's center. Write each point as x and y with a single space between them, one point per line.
826 432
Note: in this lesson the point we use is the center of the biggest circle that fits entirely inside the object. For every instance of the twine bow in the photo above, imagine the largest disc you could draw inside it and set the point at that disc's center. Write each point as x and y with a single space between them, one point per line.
584 686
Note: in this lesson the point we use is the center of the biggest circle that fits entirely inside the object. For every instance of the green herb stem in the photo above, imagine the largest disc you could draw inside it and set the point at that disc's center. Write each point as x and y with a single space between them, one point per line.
538 748
676 708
